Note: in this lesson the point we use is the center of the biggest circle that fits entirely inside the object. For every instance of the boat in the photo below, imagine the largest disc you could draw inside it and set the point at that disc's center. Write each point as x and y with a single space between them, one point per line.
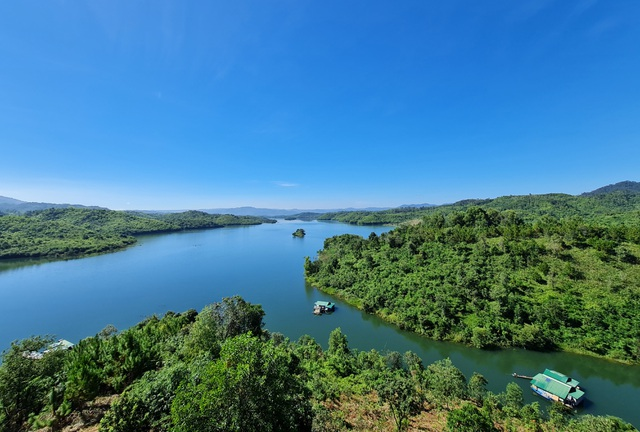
321 307
557 387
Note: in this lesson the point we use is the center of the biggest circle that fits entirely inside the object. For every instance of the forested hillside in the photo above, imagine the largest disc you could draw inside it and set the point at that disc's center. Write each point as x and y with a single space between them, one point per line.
219 370
630 186
74 232
614 205
492 278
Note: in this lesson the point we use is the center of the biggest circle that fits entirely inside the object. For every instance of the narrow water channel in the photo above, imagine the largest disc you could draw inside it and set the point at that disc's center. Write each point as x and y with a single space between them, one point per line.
264 264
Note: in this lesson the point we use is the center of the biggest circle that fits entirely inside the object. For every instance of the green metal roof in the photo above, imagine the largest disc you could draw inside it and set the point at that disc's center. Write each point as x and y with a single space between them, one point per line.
551 385
577 394
61 344
561 377
324 303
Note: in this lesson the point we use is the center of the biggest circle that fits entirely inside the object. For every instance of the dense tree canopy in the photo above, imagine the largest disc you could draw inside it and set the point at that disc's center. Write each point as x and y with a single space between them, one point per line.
74 232
617 205
253 386
492 279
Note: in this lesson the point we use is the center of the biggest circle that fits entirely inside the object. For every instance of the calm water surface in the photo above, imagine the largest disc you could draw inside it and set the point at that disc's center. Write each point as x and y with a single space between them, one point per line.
264 264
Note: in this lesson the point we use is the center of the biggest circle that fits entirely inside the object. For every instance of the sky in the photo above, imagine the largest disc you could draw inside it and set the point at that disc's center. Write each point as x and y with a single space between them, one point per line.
315 104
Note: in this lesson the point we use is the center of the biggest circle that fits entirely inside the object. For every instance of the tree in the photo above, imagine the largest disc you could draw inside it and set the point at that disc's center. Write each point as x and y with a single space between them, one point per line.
446 382
235 316
254 385
85 370
477 388
339 355
222 320
589 423
531 415
468 419
559 415
413 363
513 400
398 390
30 385
146 405
108 364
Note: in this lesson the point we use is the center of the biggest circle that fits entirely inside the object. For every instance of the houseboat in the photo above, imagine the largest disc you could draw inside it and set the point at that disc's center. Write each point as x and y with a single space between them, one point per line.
557 387
321 307
61 344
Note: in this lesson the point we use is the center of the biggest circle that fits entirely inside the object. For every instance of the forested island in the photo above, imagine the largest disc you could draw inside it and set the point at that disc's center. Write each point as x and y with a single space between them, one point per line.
75 232
220 370
501 278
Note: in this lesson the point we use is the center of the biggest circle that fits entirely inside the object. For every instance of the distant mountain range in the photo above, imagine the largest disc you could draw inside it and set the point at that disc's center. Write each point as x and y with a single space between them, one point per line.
12 205
9 201
266 212
418 205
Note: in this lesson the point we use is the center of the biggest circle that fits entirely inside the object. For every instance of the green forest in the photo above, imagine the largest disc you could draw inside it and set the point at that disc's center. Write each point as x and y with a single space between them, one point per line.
497 278
607 206
220 370
74 232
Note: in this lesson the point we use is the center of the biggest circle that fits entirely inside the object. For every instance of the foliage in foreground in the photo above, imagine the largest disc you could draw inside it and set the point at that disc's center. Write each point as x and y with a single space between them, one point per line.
220 371
491 279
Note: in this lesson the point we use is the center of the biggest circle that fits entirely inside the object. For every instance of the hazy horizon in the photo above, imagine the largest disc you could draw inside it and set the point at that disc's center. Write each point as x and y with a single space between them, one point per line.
294 208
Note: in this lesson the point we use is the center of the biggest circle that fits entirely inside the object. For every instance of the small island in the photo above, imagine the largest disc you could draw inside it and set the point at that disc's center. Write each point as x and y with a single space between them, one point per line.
299 233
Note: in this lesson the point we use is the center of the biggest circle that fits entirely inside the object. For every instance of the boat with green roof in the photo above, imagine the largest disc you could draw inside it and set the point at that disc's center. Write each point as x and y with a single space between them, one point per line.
558 387
322 307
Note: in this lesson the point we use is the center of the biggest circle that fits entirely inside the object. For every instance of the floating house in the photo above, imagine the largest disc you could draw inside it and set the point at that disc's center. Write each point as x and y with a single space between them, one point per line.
321 307
557 387
60 344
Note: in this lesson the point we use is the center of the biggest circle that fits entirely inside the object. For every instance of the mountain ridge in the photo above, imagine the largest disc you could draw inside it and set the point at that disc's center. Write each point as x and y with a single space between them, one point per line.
10 201
13 205
626 186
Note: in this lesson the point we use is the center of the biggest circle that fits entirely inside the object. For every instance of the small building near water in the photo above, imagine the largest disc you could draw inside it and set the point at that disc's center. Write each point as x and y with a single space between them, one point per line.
60 344
321 307
557 387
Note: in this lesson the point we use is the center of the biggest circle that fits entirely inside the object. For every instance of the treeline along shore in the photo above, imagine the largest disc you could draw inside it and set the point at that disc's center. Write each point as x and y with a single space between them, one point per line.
76 232
220 370
537 272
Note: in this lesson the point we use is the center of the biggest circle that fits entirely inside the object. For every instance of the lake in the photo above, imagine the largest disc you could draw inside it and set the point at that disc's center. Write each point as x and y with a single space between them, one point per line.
264 264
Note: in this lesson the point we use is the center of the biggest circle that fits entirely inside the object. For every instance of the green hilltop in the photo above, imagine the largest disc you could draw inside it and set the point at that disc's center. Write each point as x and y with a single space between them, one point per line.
613 203
539 272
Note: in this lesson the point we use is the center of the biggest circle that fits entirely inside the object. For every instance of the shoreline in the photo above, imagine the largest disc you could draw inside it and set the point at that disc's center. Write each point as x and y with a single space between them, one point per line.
357 303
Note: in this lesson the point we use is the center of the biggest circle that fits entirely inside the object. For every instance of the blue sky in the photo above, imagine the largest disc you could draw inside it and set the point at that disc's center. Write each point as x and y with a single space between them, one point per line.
315 104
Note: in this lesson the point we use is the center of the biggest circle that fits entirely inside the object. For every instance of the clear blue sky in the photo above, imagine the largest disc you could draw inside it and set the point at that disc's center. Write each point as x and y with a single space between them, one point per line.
315 104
